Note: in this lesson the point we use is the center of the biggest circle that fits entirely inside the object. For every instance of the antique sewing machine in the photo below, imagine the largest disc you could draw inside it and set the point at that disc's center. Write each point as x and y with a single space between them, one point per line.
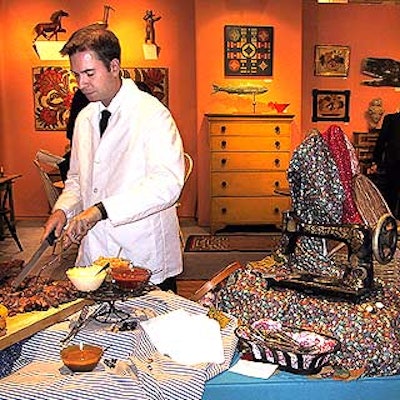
361 242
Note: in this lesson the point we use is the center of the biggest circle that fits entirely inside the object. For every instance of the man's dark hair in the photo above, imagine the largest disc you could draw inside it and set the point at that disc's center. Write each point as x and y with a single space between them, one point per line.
94 38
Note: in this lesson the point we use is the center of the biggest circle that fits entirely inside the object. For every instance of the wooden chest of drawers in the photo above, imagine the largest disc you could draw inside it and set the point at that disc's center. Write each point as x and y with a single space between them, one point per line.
249 157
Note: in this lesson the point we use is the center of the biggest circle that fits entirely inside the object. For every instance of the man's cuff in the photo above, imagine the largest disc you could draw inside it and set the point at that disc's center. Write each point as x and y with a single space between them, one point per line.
102 210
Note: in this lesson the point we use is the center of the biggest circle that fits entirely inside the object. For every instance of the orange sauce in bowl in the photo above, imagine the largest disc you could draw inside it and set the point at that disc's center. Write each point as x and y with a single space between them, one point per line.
130 278
82 359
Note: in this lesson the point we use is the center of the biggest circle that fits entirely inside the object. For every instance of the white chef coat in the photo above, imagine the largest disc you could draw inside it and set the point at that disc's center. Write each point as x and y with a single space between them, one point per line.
137 171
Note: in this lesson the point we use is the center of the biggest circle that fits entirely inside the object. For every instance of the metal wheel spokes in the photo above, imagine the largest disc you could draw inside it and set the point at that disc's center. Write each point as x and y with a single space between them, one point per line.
384 240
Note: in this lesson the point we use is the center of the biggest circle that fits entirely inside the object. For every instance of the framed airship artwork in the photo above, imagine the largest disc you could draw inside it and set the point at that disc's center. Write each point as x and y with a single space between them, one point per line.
248 50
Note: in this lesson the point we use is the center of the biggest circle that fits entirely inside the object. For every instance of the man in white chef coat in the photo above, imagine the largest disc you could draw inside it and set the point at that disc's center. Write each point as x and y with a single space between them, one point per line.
122 186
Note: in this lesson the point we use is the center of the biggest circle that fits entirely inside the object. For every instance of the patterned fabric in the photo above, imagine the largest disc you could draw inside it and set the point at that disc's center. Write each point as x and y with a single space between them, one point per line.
367 330
131 368
335 139
317 197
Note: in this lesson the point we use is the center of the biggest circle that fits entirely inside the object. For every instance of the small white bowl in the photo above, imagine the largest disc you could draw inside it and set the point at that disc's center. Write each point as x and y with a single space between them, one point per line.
87 279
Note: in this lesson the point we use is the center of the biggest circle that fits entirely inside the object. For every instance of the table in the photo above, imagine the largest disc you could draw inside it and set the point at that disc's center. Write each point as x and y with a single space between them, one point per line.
286 386
7 213
225 386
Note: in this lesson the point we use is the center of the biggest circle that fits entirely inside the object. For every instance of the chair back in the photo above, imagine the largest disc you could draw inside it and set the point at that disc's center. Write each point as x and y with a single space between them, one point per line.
45 157
188 171
188 165
51 191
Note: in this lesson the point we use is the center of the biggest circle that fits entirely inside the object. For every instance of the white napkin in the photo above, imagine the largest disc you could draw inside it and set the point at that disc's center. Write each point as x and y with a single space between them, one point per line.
187 338
254 369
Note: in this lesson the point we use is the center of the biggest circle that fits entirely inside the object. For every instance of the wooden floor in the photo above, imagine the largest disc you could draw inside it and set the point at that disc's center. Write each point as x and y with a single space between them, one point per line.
188 288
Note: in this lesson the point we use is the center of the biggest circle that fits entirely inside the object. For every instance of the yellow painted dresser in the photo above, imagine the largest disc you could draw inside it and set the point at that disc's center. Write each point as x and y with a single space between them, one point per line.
249 156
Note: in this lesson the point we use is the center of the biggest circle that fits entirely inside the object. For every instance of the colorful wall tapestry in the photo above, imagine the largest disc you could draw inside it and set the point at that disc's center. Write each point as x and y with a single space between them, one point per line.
248 50
156 80
54 87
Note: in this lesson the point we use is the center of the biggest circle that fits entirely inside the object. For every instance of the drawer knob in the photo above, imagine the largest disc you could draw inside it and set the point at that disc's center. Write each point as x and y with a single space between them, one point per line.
223 129
277 162
223 144
276 210
224 184
223 161
277 144
277 130
276 184
223 210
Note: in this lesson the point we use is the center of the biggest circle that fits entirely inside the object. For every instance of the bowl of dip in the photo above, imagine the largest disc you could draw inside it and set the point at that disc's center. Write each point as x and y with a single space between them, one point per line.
81 357
131 278
87 279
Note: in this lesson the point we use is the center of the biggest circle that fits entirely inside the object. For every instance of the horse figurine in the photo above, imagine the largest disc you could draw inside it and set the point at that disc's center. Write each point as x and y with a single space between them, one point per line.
54 27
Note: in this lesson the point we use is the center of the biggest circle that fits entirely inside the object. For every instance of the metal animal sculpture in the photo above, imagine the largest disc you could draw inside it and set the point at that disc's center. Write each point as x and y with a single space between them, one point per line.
104 22
52 28
385 71
150 19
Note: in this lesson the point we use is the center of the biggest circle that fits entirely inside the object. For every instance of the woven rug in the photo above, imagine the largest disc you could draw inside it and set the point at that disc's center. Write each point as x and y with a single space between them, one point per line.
221 243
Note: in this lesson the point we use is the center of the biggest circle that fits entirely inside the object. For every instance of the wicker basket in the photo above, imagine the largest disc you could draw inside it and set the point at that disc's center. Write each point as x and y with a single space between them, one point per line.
299 351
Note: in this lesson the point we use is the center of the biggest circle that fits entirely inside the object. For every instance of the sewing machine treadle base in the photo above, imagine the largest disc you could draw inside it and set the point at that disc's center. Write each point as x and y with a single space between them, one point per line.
316 284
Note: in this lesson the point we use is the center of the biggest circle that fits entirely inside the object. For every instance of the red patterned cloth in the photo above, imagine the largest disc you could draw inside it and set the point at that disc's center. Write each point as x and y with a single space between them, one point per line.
335 139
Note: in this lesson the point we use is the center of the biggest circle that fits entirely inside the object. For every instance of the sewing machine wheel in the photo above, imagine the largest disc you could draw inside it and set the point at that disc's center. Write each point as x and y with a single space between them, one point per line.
384 240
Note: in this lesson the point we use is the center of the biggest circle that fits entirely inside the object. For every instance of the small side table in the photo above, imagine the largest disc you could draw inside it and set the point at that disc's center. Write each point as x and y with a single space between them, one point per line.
7 214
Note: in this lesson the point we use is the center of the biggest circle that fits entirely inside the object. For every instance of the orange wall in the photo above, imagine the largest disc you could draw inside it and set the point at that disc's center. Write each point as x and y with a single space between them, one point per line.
190 34
285 86
19 140
370 31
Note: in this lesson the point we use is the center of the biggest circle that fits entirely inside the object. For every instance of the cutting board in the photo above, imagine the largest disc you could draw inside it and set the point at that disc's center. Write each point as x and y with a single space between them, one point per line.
21 326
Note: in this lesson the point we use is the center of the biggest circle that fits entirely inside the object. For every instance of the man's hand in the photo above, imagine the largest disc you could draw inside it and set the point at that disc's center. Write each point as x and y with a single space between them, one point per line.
79 226
55 222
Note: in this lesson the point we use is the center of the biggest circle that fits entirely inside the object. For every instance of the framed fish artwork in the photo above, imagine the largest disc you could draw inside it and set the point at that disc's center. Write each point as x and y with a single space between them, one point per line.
248 50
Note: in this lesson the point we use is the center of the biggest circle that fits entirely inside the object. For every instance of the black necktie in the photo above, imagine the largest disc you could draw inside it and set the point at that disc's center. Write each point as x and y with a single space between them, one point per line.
105 116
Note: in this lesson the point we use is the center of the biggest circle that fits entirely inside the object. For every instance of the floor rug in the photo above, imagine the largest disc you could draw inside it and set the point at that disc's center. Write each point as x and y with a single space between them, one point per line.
221 243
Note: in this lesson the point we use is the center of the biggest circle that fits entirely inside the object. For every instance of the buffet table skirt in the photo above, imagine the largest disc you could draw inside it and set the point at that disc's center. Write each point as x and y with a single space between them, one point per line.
286 386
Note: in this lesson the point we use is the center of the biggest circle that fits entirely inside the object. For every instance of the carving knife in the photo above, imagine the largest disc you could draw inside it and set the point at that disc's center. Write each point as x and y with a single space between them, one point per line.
49 241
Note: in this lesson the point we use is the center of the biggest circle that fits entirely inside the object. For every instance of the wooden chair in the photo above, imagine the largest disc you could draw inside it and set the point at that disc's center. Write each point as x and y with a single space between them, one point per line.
215 280
188 171
7 211
51 191
45 157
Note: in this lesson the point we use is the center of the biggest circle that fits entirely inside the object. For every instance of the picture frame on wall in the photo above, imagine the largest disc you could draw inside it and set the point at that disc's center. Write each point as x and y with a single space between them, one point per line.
331 105
332 60
248 50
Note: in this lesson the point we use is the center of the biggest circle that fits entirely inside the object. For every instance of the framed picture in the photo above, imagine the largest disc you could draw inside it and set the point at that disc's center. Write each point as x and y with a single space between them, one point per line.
331 60
331 105
248 50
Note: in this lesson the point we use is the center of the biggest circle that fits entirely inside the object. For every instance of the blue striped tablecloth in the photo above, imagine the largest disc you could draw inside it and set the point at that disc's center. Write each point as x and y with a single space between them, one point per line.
140 372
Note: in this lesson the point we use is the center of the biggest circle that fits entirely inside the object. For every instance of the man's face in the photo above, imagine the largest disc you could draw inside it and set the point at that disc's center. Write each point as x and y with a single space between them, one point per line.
93 78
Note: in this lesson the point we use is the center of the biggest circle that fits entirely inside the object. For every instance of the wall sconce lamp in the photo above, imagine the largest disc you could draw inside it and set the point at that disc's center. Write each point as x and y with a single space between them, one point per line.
49 50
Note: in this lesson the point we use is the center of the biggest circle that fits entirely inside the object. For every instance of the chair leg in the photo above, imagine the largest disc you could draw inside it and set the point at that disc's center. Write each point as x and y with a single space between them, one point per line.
13 232
181 237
